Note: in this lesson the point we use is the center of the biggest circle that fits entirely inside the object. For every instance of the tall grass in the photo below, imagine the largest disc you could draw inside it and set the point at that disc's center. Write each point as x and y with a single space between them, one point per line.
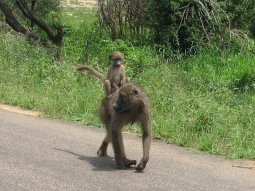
30 78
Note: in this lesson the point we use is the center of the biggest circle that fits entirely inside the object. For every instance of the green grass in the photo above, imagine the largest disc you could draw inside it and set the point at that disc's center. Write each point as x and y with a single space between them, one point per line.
190 110
75 2
75 16
206 101
31 79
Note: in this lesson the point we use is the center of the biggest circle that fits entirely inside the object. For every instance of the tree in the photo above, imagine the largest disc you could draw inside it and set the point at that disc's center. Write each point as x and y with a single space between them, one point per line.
54 35
122 16
241 15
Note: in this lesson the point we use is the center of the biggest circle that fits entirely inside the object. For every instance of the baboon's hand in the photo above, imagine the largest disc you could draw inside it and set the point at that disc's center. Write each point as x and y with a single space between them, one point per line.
140 166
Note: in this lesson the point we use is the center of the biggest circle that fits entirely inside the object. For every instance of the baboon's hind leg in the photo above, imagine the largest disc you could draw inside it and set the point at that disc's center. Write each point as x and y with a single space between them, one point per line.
102 151
129 162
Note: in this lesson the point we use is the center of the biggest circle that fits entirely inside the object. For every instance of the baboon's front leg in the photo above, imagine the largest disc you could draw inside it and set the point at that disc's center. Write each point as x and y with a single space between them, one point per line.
146 128
118 146
121 161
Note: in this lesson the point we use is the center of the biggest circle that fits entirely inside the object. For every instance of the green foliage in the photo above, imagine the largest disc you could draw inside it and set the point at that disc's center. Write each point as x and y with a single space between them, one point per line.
31 79
195 104
78 16
185 25
99 45
42 7
241 15
47 10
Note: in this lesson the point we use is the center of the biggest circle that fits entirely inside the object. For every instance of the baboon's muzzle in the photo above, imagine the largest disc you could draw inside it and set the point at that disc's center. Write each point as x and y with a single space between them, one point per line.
116 108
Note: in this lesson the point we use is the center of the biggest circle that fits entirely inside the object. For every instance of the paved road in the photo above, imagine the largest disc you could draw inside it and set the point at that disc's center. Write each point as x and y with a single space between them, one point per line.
42 154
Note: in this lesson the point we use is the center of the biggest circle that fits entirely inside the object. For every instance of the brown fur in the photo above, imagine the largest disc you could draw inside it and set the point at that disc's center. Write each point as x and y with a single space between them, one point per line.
128 105
115 77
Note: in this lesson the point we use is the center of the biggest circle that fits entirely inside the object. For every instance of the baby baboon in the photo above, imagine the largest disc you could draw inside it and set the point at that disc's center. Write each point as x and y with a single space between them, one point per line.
128 105
115 77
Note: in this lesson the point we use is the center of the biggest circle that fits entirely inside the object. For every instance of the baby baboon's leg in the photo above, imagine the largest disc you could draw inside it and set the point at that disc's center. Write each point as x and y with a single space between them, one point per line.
107 86
146 143
102 151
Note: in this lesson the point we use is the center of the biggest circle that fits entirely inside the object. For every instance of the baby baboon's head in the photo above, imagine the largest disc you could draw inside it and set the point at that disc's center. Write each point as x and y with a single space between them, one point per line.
116 58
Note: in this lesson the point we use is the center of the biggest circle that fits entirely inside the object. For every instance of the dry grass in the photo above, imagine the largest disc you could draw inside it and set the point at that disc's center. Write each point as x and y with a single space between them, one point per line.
79 3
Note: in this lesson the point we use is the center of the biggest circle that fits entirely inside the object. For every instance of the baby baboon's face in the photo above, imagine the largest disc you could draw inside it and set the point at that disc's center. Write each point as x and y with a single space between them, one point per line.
116 63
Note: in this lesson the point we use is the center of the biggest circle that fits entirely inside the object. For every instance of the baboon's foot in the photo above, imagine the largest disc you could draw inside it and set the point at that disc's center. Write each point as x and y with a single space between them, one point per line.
119 165
102 152
129 162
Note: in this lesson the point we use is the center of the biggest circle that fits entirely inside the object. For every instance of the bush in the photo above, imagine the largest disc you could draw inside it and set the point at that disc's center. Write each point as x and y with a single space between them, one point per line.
185 25
241 15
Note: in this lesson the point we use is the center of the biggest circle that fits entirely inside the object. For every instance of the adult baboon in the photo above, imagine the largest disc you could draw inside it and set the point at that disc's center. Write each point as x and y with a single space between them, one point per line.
115 77
128 105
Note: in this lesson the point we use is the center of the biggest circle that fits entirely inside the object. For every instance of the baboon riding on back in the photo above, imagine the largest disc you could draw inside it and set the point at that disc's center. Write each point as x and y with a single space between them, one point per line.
123 104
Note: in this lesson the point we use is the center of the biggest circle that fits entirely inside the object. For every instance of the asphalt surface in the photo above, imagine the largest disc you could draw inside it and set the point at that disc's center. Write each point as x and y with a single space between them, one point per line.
42 154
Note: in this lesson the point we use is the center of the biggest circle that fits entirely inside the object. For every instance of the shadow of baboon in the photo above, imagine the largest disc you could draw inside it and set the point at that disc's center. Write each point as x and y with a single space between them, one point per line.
99 163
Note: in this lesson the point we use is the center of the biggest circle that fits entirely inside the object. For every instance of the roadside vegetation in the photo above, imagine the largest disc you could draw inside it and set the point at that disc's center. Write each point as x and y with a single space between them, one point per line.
200 81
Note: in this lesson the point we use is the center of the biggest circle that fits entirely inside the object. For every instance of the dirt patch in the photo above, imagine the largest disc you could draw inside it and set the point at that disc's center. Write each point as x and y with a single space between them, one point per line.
78 3
248 164
19 110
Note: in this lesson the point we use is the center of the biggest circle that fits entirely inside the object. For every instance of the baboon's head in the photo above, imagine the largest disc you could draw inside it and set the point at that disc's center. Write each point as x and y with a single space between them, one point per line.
116 58
129 97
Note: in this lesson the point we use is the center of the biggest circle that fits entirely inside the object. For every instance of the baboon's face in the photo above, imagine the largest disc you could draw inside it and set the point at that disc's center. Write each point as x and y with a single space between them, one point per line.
127 96
116 63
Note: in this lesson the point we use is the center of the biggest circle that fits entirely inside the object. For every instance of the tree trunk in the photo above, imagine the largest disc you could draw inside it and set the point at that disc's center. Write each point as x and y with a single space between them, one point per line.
10 19
33 2
56 39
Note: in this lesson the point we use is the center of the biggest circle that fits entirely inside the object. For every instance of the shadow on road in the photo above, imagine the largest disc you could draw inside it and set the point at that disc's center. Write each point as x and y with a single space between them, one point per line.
99 163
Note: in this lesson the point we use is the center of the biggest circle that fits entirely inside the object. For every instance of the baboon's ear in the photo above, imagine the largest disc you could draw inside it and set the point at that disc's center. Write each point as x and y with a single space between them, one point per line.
135 92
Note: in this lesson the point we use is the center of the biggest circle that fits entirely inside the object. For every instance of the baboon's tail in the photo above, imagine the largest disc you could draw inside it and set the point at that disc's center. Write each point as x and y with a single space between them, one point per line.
92 70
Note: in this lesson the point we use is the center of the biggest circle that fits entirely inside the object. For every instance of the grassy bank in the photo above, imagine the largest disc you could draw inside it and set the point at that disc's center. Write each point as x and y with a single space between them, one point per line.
206 101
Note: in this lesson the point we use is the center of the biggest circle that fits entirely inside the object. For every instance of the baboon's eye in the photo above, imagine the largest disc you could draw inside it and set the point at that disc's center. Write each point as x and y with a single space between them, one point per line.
135 92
